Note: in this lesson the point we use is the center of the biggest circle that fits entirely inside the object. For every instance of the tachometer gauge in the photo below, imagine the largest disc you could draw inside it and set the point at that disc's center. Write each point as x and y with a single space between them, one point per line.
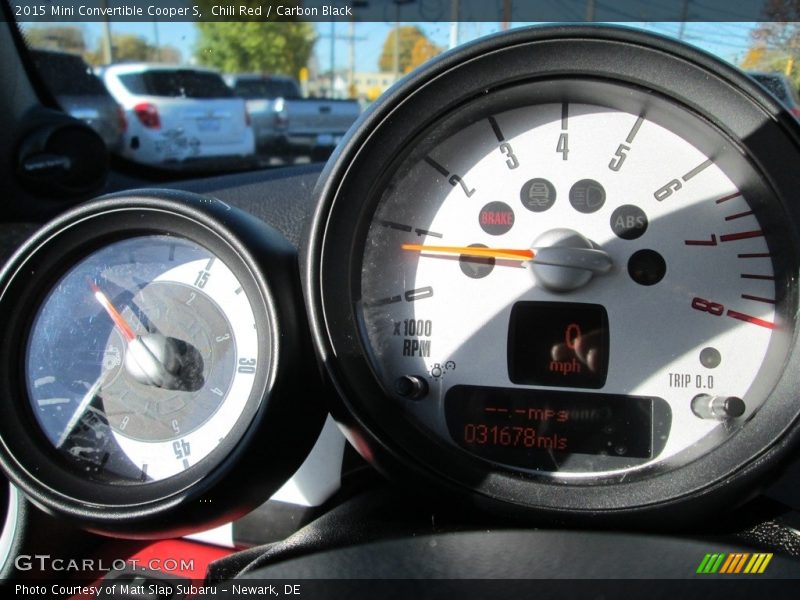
155 340
570 275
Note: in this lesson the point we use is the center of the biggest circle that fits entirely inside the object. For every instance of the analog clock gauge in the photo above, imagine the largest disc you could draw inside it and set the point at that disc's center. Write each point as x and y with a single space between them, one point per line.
142 358
154 355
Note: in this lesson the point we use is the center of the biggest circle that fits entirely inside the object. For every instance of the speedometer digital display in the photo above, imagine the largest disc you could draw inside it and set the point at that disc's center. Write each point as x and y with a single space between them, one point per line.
558 344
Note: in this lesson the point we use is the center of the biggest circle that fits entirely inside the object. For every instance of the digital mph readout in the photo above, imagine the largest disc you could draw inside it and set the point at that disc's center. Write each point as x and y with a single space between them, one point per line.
561 344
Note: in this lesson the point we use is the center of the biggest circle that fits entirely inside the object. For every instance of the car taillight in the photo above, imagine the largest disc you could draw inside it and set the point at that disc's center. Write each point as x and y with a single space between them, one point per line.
148 115
795 111
121 120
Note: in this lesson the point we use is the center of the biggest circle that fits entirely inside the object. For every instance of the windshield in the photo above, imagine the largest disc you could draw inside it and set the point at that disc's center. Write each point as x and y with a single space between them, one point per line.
292 83
181 83
266 88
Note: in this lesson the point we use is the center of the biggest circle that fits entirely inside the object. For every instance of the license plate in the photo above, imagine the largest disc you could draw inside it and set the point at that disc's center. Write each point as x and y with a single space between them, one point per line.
208 124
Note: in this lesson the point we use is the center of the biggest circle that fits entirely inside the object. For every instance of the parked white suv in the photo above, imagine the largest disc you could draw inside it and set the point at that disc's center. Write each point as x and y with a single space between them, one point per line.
178 114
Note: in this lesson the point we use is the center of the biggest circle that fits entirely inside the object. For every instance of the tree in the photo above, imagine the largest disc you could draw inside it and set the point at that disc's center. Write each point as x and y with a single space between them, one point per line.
63 38
128 47
410 35
253 45
168 54
422 52
246 47
776 41
761 58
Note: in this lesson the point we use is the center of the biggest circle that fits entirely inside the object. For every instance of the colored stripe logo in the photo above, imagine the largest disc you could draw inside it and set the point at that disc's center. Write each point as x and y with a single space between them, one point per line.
735 563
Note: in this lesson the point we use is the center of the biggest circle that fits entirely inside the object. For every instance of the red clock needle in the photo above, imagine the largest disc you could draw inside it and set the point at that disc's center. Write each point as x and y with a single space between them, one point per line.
118 319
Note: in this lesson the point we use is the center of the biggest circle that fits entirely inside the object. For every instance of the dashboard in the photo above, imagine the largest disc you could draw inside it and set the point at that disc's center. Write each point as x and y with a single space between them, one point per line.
551 278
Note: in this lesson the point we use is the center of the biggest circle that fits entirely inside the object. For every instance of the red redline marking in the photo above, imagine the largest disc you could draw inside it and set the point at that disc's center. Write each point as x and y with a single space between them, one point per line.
711 242
753 276
755 255
746 213
758 299
731 197
742 235
502 410
750 319
489 409
520 411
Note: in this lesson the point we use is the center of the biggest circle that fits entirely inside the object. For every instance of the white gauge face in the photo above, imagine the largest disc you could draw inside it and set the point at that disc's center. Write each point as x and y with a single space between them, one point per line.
617 310
143 359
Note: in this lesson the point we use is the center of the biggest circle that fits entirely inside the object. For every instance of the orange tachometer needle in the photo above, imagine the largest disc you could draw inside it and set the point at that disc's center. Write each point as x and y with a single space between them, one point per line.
118 319
506 253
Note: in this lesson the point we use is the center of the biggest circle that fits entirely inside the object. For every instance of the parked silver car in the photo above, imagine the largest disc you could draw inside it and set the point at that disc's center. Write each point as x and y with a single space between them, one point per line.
180 114
288 125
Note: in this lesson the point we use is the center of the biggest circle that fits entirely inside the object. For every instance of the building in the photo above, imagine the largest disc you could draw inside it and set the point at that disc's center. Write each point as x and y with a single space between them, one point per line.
368 86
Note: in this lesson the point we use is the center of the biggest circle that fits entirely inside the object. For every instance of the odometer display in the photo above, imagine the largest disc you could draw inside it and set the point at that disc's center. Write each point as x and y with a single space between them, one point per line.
545 429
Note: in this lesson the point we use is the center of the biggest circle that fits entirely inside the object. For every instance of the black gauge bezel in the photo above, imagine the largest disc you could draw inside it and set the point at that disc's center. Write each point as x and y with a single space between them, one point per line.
616 96
348 193
256 456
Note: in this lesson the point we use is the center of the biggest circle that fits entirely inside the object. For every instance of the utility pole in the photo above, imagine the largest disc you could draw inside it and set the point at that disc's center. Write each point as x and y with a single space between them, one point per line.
589 11
684 15
396 41
333 54
397 4
506 15
108 50
454 29
351 74
156 42
351 38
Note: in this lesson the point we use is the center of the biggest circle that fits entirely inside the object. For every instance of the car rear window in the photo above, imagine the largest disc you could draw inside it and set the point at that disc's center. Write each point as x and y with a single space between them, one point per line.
176 84
775 85
66 74
267 88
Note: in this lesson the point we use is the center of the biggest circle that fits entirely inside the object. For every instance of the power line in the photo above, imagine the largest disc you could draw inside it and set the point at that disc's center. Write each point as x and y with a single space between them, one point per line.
724 44
724 12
